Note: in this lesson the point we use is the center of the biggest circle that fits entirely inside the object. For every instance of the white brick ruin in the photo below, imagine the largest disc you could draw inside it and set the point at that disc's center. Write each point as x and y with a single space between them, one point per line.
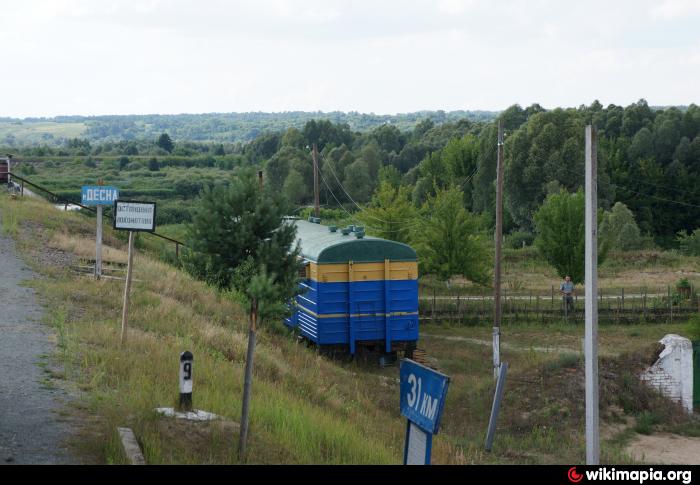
672 373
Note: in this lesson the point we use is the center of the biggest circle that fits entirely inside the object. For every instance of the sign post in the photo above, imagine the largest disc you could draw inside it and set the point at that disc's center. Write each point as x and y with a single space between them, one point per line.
423 394
132 216
98 196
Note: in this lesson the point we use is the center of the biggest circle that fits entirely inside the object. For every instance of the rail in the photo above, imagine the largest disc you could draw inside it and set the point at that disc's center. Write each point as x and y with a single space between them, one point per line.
63 200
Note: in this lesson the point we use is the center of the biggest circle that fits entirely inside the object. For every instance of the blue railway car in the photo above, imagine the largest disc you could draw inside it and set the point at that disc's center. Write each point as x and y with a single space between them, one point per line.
356 290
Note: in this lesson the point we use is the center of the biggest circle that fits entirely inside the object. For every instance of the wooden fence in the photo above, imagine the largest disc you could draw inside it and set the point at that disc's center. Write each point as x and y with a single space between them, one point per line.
614 305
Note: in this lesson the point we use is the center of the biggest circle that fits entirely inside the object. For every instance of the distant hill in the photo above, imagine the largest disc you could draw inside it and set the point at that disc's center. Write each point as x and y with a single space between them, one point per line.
218 127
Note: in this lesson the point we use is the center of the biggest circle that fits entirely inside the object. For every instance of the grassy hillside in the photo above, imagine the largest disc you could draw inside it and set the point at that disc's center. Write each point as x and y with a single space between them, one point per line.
307 408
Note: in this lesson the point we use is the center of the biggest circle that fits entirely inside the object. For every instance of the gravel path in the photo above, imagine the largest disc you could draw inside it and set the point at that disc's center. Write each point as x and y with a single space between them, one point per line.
31 430
516 347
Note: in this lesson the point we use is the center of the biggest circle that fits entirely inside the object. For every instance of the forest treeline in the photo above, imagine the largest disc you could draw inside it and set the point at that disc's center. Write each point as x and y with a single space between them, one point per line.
649 160
210 127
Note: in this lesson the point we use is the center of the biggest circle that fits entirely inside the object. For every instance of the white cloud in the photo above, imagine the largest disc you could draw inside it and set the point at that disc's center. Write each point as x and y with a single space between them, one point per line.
146 56
673 9
454 6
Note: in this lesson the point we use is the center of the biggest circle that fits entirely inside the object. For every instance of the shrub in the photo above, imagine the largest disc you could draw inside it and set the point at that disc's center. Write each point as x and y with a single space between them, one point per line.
620 228
519 239
689 243
646 422
173 214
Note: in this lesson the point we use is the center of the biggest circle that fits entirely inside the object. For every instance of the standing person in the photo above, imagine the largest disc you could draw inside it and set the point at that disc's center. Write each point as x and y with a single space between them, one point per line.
567 290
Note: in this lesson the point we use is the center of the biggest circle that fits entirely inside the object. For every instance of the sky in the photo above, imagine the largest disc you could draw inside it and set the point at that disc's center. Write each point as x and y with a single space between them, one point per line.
98 57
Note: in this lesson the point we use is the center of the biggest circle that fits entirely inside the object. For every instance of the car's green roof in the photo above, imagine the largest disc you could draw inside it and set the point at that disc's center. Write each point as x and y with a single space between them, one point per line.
320 245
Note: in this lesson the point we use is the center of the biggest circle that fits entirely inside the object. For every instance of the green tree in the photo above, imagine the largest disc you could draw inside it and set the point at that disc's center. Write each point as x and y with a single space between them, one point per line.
237 229
357 181
165 142
449 240
295 189
689 243
389 138
390 214
620 229
294 138
390 175
560 228
279 165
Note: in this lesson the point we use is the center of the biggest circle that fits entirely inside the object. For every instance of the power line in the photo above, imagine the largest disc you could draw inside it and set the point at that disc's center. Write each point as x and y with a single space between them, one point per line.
352 218
340 184
683 191
405 224
623 187
353 201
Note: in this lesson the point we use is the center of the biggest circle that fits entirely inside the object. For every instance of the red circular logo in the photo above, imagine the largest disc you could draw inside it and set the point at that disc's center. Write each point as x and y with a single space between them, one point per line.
573 476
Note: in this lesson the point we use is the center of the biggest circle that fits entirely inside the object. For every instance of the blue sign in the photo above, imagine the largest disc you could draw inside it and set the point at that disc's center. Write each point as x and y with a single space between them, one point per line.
423 394
99 195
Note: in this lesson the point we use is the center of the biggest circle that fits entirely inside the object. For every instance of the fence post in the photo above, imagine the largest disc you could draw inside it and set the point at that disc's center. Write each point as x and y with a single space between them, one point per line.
481 313
623 299
552 306
433 316
459 315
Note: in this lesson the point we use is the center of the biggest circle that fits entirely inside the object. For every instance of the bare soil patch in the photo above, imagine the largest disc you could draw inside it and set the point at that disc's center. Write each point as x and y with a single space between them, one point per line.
665 449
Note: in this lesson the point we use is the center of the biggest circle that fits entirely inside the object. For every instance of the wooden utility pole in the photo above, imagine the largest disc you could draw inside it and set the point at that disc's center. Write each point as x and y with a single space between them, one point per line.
248 381
127 288
497 258
591 340
317 207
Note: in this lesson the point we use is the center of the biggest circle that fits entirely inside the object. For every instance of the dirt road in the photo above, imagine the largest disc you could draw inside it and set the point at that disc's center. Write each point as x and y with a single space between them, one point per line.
31 428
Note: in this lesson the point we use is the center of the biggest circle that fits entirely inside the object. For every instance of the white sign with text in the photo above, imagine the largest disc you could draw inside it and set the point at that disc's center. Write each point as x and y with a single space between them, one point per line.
135 216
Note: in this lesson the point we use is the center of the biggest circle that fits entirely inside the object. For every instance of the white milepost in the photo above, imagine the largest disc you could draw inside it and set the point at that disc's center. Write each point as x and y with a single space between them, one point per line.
591 338
186 359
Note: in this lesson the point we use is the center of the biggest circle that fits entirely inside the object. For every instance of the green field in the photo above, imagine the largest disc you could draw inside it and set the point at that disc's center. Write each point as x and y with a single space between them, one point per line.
39 132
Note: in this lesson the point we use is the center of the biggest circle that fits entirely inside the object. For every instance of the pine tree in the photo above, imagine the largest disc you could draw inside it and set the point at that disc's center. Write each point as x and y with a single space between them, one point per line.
165 142
236 232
